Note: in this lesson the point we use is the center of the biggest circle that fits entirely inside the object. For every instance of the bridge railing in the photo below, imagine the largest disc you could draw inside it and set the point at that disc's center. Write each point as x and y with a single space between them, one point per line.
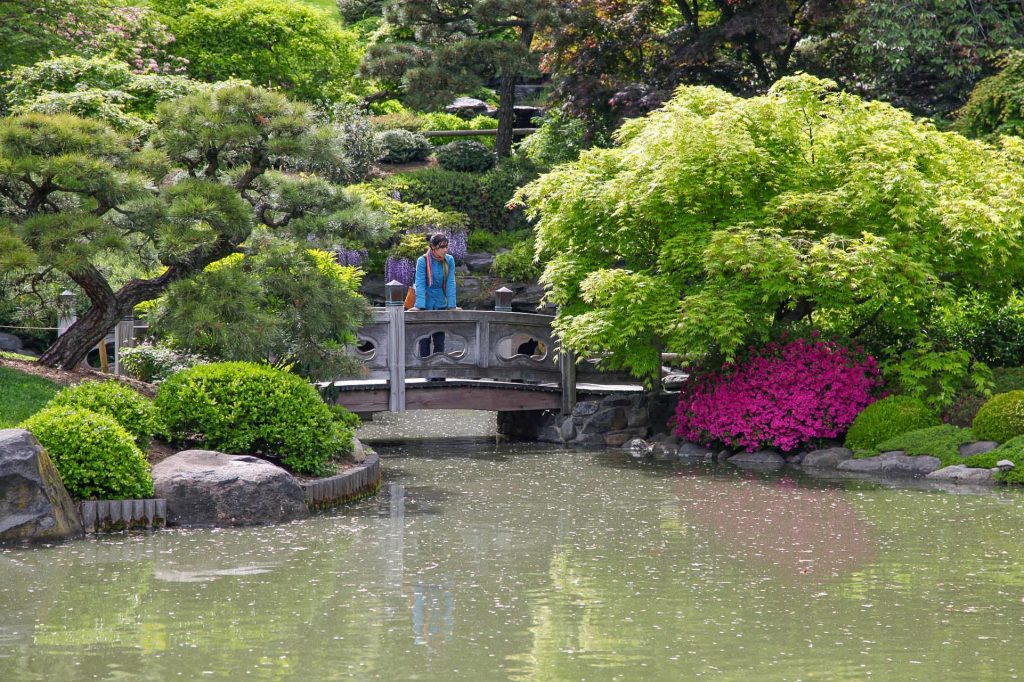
477 344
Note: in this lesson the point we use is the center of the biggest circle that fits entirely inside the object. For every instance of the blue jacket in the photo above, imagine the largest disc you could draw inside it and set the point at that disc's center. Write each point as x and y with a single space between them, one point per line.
433 297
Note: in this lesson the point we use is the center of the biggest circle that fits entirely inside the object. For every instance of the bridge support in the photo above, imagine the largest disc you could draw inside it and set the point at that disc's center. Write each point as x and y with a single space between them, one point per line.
567 365
394 305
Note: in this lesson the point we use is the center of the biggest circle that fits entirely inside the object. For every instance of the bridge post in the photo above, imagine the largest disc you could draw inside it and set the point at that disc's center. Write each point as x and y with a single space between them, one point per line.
567 364
394 305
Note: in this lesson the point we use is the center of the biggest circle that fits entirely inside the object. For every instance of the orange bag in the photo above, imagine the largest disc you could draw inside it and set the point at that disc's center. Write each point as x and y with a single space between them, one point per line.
410 297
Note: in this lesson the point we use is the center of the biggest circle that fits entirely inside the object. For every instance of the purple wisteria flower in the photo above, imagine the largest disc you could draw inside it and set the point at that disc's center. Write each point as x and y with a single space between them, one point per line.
352 257
400 269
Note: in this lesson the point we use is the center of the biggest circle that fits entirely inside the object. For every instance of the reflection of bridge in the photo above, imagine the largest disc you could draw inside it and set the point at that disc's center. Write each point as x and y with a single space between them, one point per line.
491 360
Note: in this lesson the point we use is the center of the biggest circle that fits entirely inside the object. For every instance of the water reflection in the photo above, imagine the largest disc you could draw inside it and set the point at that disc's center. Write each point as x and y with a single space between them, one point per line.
484 561
800 531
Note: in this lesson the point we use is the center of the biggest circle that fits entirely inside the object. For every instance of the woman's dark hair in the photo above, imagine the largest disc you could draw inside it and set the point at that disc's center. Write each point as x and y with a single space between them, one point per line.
437 240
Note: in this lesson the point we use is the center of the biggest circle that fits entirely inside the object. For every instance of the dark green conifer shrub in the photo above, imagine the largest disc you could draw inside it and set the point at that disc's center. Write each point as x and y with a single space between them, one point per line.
887 418
95 456
243 408
402 146
1001 418
466 156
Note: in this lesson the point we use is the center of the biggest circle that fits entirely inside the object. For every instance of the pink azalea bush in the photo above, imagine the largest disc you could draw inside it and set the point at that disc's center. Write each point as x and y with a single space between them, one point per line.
783 395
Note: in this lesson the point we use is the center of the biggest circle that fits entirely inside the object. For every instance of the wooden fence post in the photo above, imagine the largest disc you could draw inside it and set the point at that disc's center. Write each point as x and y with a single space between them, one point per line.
394 304
124 337
567 364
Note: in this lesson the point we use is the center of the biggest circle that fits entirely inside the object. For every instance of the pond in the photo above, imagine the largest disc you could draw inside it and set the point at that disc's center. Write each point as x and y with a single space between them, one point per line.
526 562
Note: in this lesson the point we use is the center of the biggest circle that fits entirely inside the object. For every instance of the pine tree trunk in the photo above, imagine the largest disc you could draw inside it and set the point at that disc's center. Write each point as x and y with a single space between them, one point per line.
72 347
506 113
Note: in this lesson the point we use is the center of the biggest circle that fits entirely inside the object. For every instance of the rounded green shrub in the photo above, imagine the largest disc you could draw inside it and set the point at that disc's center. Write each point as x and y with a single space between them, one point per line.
1001 418
134 412
402 146
887 418
243 408
466 156
96 456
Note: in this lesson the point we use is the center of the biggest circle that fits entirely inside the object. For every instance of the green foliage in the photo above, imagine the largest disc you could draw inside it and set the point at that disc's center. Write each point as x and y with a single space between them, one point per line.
22 395
242 408
124 223
458 47
996 105
408 217
492 242
466 156
134 412
297 48
1001 418
445 121
95 87
559 139
938 377
990 328
938 441
755 216
1012 450
402 146
516 264
154 362
482 197
95 456
888 418
282 304
926 55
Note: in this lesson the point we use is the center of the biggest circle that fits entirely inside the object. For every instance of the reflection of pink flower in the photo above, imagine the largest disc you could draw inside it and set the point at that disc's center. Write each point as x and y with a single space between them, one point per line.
802 533
780 396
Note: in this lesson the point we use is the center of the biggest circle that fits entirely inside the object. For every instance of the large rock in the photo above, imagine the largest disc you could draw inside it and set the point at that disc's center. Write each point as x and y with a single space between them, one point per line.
827 458
978 448
961 473
467 107
34 505
893 463
206 488
479 262
9 342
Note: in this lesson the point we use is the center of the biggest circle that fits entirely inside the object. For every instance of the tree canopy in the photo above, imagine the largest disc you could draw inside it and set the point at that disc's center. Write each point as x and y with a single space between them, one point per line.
75 194
717 221
458 46
300 49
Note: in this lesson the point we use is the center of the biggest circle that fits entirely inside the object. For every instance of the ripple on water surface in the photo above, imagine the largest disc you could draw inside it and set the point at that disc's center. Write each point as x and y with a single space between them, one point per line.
483 561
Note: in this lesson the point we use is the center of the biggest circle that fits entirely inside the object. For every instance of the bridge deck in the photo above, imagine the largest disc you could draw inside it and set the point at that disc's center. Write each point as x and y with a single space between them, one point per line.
371 395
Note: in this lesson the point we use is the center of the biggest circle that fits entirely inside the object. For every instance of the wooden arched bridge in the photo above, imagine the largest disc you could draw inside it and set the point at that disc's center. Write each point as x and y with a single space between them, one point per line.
466 359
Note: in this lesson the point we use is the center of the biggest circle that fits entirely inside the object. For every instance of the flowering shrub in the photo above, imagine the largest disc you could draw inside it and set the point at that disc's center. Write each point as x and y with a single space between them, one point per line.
782 396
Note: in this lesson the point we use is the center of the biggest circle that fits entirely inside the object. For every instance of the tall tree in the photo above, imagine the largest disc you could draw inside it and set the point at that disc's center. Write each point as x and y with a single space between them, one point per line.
625 57
455 46
719 220
73 193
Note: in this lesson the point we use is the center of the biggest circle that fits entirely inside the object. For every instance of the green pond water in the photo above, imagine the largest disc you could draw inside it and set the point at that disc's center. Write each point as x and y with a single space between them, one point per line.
522 562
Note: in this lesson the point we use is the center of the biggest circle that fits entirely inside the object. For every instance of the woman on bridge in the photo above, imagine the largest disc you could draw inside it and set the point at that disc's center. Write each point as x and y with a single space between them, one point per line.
435 287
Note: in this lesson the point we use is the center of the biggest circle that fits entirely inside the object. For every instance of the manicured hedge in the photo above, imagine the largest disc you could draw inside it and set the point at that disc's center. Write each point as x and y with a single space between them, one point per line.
887 418
1001 418
243 408
134 412
95 456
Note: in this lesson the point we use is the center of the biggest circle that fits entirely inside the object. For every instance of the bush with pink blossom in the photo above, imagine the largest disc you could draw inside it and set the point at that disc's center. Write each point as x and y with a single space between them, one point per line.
782 396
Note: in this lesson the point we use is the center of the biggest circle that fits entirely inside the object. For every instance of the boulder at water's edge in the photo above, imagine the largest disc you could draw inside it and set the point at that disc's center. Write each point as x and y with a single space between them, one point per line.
207 488
34 505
